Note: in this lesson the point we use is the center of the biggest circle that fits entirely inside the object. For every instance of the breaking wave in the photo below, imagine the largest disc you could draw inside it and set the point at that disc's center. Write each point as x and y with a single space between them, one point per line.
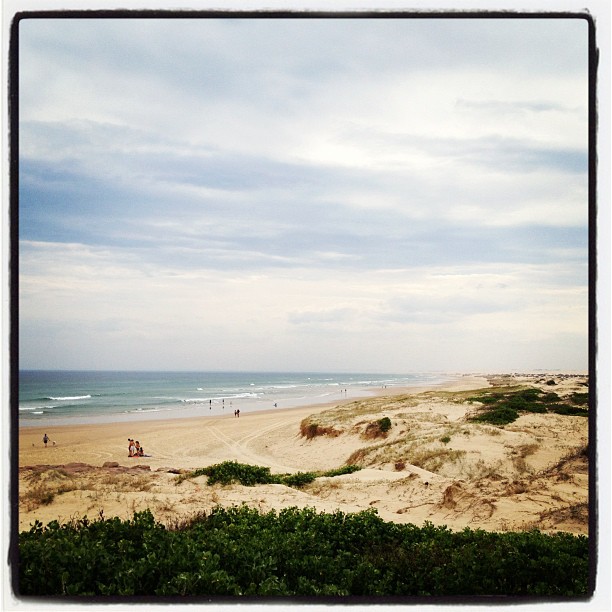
69 399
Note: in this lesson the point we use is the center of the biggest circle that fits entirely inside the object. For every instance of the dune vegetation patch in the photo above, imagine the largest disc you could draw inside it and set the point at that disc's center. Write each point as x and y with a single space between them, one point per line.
503 406
41 486
230 472
310 429
433 459
377 429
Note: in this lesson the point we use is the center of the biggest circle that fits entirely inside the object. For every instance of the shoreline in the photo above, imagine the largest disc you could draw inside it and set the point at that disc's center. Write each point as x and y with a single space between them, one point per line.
104 404
82 442
391 391
170 415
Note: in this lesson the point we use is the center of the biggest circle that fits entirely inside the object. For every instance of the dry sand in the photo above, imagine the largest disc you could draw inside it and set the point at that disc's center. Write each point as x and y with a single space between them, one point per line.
433 465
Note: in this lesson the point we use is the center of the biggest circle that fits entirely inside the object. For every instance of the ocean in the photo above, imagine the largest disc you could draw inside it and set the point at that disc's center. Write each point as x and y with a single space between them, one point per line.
80 397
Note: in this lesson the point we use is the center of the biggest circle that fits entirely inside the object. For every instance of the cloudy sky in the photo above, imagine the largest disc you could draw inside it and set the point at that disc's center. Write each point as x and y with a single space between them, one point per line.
305 194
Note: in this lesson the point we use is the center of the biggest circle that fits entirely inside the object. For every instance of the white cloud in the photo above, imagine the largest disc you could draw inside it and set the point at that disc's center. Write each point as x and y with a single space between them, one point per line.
254 194
108 301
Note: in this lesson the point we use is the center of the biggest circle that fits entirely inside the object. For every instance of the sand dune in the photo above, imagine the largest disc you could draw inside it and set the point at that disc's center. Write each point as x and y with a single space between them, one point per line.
432 465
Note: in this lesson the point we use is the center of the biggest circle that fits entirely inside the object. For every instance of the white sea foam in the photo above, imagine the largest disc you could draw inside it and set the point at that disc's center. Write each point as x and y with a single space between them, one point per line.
285 386
201 400
32 408
72 398
142 410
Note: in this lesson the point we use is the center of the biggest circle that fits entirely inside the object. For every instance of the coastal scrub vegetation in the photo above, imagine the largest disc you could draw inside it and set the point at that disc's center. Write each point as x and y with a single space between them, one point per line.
229 472
503 407
378 429
239 551
311 430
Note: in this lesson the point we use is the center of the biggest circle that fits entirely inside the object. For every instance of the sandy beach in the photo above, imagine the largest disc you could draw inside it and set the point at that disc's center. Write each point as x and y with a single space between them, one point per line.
432 465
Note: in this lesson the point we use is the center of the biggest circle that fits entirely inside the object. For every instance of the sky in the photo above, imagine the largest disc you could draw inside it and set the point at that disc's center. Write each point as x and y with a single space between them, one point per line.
373 195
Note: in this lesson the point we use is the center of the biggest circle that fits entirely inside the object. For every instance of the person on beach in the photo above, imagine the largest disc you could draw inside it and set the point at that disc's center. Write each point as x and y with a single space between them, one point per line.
131 447
137 449
238 412
45 440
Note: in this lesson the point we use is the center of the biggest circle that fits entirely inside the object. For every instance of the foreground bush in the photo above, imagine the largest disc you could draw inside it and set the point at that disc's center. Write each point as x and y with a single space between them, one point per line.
240 552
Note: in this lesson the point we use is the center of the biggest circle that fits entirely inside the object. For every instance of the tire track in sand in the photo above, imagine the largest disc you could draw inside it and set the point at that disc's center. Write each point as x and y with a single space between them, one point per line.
240 445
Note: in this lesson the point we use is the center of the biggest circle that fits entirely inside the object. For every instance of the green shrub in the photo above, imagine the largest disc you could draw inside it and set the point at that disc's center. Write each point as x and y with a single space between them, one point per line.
377 429
230 472
580 399
502 408
346 469
486 398
535 407
566 410
501 415
297 480
384 424
295 552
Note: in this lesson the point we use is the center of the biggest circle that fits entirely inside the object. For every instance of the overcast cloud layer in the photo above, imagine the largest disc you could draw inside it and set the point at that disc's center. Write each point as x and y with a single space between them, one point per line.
255 194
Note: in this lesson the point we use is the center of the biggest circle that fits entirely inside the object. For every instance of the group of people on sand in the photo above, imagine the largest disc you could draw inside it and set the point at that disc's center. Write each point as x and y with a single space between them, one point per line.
134 449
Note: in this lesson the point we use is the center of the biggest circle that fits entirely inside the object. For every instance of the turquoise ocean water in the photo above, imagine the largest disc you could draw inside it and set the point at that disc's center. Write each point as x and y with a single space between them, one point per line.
64 397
